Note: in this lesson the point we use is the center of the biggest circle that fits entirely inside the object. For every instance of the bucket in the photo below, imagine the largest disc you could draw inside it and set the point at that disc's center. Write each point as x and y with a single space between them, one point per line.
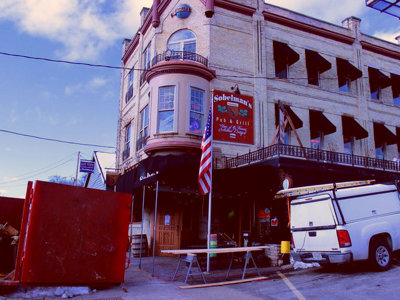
139 245
285 247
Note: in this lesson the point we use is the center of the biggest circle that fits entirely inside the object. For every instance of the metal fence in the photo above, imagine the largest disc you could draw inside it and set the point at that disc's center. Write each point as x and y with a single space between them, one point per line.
311 155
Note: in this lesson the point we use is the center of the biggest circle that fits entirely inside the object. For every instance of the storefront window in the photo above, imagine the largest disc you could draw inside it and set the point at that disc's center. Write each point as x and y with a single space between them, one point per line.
166 99
196 111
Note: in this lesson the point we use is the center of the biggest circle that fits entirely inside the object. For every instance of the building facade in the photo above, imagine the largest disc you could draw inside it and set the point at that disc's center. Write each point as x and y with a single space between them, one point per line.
339 87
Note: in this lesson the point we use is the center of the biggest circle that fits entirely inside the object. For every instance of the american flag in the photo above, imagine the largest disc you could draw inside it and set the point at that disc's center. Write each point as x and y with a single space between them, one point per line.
206 157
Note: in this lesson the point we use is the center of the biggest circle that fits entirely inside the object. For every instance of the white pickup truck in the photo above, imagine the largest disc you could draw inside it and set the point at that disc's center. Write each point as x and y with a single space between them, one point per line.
344 222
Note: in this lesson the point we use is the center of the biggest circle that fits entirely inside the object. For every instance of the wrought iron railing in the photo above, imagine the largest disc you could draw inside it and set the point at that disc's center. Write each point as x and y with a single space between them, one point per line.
171 55
312 155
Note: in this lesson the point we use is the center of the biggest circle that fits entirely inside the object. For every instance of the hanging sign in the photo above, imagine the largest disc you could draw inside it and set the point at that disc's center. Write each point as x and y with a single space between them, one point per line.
233 117
86 166
182 11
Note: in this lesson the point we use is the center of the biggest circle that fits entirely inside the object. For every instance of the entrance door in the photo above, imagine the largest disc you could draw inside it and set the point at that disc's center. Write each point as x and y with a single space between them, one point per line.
169 227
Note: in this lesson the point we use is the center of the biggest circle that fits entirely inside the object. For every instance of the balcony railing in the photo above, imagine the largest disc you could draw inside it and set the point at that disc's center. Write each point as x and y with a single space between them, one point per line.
170 55
312 155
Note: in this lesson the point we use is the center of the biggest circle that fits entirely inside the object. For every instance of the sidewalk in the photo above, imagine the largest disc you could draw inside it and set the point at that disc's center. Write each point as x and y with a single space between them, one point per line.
140 284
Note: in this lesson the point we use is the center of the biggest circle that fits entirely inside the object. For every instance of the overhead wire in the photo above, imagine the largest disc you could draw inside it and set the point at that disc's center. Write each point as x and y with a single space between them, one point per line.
55 140
5 183
141 69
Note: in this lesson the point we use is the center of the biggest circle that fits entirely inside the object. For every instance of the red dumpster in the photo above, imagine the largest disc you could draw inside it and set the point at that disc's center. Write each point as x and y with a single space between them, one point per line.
72 236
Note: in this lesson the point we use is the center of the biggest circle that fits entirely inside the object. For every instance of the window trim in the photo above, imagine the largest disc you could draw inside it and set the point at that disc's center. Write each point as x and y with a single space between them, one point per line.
175 109
189 110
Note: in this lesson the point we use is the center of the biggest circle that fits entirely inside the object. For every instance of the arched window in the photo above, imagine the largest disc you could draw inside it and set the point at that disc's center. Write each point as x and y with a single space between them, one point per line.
182 40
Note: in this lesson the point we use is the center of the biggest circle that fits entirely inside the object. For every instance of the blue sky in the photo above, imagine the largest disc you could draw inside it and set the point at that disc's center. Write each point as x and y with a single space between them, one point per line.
77 103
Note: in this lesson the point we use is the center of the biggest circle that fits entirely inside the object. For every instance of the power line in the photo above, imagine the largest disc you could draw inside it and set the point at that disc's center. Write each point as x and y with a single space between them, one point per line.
55 140
5 184
65 61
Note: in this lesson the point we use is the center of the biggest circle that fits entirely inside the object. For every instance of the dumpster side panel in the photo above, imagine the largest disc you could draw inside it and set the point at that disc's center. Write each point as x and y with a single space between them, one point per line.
76 236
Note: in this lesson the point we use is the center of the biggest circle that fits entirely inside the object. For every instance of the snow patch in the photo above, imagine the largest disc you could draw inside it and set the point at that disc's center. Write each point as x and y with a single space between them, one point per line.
62 291
302 265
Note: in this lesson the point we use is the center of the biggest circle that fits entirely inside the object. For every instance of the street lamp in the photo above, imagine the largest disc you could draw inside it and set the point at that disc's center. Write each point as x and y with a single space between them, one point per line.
390 7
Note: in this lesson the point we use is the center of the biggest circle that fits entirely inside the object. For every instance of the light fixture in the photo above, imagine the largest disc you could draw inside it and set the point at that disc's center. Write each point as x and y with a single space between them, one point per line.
235 89
390 7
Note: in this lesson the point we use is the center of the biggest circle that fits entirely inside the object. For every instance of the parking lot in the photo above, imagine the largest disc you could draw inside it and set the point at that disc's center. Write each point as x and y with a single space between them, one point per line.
355 281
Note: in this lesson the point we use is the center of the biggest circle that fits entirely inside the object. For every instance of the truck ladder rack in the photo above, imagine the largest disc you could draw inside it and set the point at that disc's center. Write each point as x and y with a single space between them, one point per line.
304 190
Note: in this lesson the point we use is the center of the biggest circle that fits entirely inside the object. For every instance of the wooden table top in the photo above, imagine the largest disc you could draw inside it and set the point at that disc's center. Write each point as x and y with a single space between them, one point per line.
215 250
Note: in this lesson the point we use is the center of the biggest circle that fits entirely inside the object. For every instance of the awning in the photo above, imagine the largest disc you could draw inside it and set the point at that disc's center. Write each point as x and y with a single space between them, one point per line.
173 170
352 128
319 123
297 122
283 51
315 60
383 135
398 138
395 82
380 79
346 68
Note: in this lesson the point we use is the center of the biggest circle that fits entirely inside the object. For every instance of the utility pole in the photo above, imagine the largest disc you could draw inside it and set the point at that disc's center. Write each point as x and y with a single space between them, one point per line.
77 169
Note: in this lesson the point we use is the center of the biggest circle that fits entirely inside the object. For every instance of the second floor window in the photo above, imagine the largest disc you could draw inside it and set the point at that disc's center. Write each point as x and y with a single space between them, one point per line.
127 142
196 111
129 92
144 128
166 109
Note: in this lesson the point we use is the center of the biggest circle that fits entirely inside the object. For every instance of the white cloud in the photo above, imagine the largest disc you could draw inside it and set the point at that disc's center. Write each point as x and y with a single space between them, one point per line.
3 192
85 28
331 11
388 35
92 86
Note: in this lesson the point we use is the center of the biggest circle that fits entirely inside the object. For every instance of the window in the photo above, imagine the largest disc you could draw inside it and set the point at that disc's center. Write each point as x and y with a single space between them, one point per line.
377 82
284 57
348 145
347 73
129 92
396 88
127 141
196 111
380 151
316 65
147 57
166 99
182 45
286 140
316 142
144 128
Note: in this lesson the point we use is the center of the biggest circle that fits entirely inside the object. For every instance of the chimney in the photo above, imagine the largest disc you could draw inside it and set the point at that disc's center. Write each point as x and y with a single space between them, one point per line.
143 14
352 23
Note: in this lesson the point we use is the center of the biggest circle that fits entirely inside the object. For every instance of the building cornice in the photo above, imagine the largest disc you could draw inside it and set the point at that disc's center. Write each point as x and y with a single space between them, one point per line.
235 7
380 50
271 17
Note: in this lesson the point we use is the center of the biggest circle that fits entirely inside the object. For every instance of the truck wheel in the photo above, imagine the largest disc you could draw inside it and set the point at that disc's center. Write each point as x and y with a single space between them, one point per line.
380 255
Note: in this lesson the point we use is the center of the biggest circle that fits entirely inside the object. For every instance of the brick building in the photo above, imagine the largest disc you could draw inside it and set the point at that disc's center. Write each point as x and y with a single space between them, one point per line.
339 87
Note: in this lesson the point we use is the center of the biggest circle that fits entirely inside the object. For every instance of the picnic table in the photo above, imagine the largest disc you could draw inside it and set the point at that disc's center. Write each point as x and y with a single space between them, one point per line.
190 256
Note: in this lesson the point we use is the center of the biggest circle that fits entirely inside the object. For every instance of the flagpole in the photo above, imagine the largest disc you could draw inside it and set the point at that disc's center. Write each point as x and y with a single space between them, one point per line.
210 193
